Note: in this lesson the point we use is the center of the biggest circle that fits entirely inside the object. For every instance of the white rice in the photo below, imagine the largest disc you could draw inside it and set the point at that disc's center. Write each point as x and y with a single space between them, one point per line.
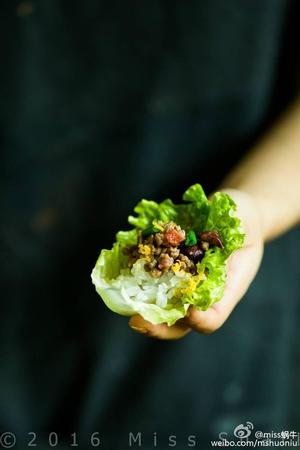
139 285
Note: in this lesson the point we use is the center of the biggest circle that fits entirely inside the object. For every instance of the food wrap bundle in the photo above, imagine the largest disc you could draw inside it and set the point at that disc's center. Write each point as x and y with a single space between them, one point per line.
173 257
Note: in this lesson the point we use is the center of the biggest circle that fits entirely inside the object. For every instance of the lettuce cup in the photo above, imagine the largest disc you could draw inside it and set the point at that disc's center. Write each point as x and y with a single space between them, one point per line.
174 256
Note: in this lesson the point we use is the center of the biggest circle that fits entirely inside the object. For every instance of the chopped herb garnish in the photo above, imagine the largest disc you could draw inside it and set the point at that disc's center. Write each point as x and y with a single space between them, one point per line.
191 238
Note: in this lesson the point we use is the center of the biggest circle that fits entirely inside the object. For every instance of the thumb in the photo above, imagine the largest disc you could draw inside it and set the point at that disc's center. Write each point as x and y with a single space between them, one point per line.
241 269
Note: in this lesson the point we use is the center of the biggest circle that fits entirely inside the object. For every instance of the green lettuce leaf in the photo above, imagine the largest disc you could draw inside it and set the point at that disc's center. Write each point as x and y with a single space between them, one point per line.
104 276
222 217
193 214
211 289
148 210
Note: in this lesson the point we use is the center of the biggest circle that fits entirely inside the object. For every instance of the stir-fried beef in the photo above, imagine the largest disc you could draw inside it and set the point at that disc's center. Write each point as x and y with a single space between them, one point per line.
170 249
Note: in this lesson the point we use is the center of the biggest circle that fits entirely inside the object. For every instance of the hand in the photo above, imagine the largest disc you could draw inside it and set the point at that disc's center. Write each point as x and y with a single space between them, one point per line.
241 269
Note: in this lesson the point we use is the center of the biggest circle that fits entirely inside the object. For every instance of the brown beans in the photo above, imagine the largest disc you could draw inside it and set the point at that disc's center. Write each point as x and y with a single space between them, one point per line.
194 252
212 237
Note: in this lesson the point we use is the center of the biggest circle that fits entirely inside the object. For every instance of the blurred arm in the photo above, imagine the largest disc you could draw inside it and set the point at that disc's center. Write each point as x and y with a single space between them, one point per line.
271 175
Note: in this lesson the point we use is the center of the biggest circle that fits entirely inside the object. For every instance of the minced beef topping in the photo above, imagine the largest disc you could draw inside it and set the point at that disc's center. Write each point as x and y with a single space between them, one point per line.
169 247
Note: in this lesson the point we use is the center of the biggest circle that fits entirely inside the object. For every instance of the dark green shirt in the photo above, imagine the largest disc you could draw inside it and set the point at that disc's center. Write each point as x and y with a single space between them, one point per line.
103 103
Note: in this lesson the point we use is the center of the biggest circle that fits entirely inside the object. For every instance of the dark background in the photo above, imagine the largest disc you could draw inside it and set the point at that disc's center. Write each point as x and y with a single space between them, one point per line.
103 103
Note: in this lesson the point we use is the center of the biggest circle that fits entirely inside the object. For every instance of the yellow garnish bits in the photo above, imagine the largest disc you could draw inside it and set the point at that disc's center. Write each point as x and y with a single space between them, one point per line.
145 250
176 267
192 284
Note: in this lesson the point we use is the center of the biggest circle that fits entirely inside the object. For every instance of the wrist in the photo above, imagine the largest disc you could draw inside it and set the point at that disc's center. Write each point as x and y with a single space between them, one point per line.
277 203
251 213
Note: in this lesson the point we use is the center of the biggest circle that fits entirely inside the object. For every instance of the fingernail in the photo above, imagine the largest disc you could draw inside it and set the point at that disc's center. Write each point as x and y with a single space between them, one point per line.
139 329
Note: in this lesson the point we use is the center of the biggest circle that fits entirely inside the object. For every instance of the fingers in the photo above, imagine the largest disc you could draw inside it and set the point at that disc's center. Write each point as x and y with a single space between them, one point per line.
240 273
241 269
162 331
